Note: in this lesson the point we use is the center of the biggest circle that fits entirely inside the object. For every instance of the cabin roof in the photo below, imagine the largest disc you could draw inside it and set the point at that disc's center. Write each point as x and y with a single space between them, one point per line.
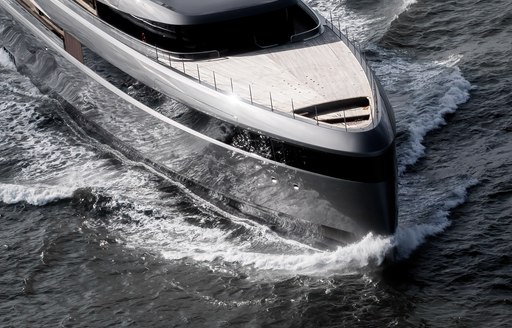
192 12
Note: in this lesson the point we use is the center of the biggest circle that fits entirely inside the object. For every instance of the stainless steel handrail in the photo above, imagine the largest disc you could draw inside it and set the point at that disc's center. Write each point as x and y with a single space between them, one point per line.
167 58
361 58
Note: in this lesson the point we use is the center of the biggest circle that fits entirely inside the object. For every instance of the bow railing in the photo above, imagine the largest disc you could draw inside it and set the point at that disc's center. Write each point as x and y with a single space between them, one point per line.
264 99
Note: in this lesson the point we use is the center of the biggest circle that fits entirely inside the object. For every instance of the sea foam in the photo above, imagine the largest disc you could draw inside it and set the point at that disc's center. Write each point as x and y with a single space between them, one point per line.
422 94
413 233
260 253
35 195
6 60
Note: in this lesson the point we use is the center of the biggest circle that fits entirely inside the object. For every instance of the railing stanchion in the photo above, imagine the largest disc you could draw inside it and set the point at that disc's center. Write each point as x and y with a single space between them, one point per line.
316 115
374 95
183 64
372 82
198 74
345 120
371 111
339 28
170 62
232 90
293 109
250 93
271 102
214 80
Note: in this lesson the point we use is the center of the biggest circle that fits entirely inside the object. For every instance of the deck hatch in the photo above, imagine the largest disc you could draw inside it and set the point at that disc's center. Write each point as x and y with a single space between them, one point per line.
333 107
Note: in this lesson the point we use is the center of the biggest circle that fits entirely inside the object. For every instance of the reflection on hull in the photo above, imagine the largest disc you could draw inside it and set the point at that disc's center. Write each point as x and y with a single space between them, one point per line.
281 194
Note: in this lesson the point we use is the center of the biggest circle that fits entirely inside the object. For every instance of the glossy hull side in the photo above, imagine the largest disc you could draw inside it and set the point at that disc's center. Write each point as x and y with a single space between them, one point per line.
253 183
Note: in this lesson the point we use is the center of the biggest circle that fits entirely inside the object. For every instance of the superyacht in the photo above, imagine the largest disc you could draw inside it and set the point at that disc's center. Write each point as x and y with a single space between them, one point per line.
319 131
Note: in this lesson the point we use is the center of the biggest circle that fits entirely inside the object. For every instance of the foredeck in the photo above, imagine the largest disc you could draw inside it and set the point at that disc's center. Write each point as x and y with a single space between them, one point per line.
323 79
320 78
291 77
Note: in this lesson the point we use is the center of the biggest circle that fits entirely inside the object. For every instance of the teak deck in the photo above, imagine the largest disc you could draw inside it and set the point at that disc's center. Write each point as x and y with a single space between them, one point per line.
294 76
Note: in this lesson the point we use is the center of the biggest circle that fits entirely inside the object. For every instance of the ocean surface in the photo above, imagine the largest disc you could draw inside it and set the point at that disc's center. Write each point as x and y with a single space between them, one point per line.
91 239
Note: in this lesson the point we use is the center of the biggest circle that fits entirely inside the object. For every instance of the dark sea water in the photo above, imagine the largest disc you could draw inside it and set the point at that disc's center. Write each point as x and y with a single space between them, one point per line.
91 239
